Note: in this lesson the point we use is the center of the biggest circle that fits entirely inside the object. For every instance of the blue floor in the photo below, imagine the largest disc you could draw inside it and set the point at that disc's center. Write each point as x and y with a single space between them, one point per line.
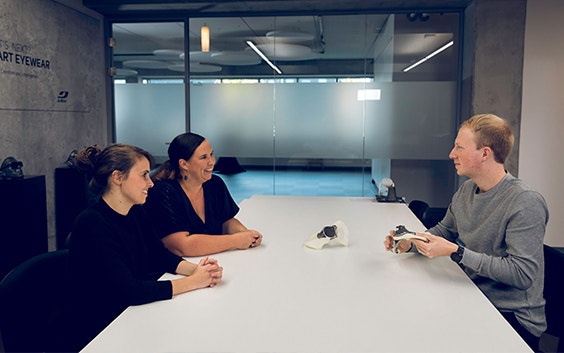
297 182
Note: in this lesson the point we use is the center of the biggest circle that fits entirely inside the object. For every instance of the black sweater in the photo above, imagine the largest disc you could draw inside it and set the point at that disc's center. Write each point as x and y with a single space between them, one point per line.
115 262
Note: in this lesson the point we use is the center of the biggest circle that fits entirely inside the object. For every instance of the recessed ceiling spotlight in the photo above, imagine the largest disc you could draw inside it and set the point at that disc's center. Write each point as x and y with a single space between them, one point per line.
411 17
421 16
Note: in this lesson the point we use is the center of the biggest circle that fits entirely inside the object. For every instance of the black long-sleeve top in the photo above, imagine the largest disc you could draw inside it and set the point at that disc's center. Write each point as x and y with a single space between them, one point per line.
115 262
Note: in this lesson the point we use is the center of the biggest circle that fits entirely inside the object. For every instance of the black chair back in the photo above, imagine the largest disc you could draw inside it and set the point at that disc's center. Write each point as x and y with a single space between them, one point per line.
30 296
554 293
419 209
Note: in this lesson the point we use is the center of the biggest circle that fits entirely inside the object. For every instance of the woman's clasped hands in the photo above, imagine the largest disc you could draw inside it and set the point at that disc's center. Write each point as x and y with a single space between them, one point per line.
248 239
208 273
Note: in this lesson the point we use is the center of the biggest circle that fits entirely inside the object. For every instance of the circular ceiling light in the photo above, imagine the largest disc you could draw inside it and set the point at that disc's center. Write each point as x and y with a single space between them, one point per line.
146 64
173 53
237 58
289 36
199 56
177 67
284 51
125 72
197 67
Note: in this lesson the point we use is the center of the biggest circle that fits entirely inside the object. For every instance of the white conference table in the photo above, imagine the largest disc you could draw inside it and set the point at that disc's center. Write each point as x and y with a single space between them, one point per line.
284 297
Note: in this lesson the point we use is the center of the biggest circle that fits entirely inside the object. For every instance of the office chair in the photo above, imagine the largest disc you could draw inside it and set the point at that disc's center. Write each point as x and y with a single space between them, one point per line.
553 293
419 209
433 216
30 296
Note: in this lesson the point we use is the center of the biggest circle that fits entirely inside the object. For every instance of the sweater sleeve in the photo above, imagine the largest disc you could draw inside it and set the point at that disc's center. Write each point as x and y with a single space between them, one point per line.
446 228
525 226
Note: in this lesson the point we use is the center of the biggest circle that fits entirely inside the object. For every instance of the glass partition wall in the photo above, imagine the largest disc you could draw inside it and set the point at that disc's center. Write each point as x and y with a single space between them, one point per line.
300 105
149 89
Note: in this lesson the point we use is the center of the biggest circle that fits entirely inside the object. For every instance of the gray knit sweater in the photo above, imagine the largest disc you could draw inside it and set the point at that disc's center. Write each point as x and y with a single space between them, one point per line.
503 233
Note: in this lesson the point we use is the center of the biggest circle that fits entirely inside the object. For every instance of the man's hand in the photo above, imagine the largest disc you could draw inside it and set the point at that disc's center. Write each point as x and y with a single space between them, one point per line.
403 246
436 246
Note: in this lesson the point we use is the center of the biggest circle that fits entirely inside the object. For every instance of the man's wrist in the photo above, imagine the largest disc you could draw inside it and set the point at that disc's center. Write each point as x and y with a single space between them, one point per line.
410 245
458 254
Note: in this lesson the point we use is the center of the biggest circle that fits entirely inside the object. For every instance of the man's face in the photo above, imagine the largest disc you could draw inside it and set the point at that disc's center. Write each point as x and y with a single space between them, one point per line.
465 154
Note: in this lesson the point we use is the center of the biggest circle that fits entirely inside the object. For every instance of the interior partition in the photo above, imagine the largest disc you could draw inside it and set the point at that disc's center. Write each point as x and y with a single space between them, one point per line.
361 111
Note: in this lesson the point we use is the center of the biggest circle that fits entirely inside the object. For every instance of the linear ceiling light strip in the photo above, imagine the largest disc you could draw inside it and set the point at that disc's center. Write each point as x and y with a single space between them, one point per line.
261 54
449 44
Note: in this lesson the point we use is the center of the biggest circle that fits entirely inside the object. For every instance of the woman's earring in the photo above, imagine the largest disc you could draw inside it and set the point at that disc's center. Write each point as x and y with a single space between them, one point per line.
186 177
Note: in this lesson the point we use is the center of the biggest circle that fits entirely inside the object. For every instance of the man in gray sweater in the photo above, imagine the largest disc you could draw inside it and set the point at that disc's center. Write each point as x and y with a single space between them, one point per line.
494 227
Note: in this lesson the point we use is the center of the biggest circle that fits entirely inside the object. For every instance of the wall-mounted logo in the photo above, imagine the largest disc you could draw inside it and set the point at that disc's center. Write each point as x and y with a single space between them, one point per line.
62 97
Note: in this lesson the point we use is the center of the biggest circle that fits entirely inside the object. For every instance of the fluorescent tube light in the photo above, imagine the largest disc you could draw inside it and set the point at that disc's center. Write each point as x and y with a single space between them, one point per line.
429 56
261 54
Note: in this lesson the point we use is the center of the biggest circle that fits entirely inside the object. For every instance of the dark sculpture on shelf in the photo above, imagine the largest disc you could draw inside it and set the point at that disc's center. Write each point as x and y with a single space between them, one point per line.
70 162
11 169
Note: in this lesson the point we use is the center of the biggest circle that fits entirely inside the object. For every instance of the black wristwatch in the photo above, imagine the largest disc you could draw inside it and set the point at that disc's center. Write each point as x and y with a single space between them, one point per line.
457 255
328 232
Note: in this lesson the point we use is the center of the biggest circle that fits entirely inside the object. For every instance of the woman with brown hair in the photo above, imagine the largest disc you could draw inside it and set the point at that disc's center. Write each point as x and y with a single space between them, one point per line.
192 207
115 257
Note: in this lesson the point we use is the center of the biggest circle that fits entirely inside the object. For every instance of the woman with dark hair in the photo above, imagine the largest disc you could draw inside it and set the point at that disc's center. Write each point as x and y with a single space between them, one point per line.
192 207
115 257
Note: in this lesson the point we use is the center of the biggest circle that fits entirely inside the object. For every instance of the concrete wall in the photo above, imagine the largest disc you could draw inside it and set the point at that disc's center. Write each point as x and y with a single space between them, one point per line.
52 85
540 160
493 56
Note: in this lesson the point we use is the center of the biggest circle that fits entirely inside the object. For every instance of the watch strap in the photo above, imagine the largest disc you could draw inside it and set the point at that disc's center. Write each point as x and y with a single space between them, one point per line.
457 255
